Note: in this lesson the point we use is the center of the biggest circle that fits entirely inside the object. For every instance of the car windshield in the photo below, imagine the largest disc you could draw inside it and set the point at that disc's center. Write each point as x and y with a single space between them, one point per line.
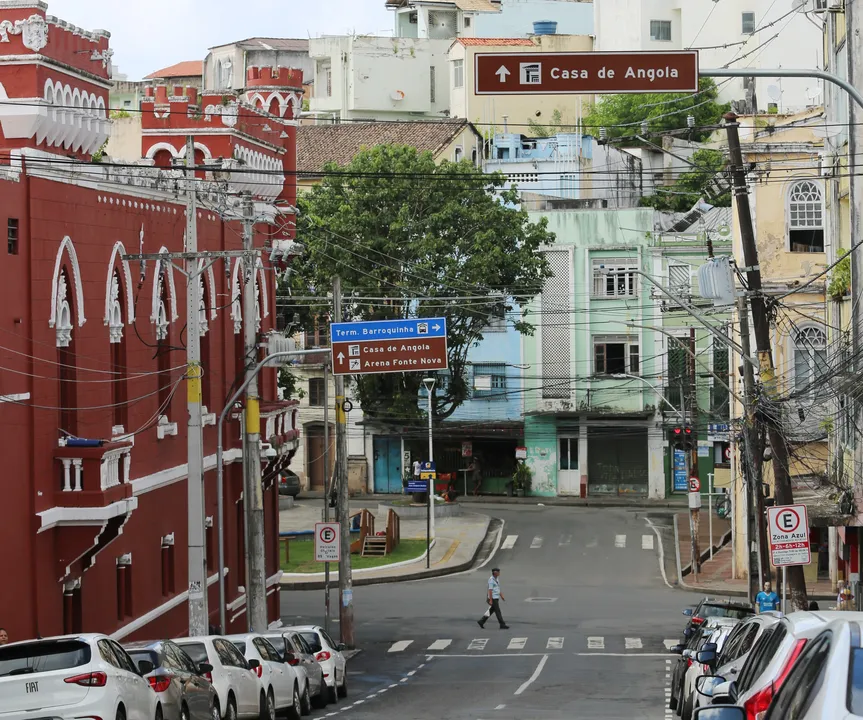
278 642
43 657
148 655
736 613
196 651
313 640
855 683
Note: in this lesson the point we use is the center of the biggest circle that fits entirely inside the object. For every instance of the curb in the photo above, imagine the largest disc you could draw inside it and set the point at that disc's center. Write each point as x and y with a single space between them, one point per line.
642 504
362 571
421 575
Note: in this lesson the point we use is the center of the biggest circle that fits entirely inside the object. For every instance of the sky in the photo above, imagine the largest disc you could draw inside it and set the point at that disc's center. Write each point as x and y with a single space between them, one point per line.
147 36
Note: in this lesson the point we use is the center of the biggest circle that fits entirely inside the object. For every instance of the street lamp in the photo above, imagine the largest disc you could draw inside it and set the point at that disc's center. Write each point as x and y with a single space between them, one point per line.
429 383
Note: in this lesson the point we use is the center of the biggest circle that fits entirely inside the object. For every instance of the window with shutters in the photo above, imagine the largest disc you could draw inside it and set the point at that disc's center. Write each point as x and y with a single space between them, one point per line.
555 303
805 217
720 400
615 356
614 278
458 73
432 82
489 381
316 392
810 358
319 336
678 373
747 23
678 279
660 30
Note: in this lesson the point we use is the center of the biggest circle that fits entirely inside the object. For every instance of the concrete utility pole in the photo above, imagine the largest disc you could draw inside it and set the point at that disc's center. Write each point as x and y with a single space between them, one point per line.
253 493
198 614
346 593
695 502
327 473
783 493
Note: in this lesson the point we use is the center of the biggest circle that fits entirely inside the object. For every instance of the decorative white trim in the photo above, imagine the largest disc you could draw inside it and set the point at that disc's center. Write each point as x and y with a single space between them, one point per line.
168 132
120 249
274 583
66 244
16 397
157 290
157 612
261 273
85 515
153 149
57 66
163 478
236 298
198 146
165 427
207 417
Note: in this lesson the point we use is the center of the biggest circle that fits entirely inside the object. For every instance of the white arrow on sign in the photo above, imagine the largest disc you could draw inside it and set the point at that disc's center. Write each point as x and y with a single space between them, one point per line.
341 357
436 326
502 72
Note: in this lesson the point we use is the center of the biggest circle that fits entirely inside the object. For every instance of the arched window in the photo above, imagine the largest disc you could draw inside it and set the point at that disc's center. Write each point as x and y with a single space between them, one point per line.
810 358
67 370
805 217
119 393
163 349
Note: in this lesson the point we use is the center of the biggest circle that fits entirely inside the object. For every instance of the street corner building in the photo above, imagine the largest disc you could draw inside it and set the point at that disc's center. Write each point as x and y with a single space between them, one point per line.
93 345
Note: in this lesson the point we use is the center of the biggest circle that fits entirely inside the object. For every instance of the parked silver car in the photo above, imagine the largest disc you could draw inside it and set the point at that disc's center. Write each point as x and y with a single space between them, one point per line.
294 648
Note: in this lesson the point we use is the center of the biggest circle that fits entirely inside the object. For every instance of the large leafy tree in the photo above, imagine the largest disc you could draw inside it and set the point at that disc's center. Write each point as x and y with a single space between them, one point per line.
663 111
705 179
407 236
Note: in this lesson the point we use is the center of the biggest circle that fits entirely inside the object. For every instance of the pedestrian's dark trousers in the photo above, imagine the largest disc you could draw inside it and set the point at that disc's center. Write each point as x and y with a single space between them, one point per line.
493 608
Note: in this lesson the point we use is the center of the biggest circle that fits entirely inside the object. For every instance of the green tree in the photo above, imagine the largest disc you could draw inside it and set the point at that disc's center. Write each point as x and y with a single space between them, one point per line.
663 111
396 225
705 180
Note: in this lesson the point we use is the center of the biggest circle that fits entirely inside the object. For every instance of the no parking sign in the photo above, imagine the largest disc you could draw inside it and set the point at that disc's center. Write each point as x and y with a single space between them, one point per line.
327 543
788 526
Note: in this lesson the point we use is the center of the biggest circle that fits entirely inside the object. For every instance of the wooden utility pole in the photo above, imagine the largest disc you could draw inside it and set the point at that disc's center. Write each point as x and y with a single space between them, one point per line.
778 446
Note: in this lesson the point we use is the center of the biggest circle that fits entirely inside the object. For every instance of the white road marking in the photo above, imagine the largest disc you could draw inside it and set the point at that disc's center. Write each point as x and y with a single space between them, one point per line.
420 667
661 552
540 600
554 643
400 645
593 543
532 679
596 643
630 655
475 656
478 644
403 680
517 644
382 690
620 541
633 643
647 542
392 686
359 702
509 542
669 644
412 673
440 645
564 540
536 542
500 707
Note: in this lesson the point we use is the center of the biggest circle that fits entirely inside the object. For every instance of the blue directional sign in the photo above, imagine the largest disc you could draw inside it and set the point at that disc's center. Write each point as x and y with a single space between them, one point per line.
415 329
418 486
681 478
426 466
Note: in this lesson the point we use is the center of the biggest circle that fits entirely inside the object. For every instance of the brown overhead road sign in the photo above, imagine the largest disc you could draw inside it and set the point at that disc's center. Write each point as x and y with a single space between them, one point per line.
586 72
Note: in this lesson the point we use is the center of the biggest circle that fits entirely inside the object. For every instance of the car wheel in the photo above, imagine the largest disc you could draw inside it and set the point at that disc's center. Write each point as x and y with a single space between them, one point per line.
215 713
322 699
332 692
343 688
184 713
121 713
687 708
306 701
296 709
268 709
231 714
158 712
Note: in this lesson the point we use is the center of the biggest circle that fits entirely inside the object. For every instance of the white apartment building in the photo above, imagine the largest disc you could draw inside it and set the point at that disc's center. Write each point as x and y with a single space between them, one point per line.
742 33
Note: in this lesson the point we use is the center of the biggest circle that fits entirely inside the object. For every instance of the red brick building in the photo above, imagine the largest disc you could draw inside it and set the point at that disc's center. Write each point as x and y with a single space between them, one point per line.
93 535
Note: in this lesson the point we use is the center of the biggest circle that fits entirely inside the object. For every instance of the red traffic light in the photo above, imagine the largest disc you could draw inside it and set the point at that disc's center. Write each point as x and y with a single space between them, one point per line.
677 431
689 431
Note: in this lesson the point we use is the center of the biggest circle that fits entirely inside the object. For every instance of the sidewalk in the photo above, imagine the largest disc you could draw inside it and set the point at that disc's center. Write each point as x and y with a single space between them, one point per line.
457 545
715 576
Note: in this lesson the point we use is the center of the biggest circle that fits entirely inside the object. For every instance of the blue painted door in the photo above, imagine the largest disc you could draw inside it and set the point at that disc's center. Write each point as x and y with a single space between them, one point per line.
388 465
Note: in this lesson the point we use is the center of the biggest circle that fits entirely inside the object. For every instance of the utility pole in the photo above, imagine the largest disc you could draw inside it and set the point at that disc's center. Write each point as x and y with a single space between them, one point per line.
695 502
253 493
198 613
346 593
327 475
782 481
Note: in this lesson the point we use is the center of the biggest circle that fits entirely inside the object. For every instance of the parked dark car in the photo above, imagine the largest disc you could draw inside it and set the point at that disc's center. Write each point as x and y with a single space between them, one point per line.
179 682
289 484
711 607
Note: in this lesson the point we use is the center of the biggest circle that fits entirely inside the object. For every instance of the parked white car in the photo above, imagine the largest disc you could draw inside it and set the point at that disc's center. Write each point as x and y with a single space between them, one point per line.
73 676
241 695
296 651
329 654
285 689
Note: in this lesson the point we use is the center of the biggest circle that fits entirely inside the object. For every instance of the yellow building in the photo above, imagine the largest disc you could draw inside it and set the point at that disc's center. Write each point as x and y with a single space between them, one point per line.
491 112
787 193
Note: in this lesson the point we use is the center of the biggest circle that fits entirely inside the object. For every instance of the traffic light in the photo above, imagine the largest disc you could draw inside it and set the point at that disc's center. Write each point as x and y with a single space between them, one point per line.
683 437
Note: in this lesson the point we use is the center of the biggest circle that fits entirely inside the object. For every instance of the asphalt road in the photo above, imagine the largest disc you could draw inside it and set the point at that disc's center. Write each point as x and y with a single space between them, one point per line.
589 615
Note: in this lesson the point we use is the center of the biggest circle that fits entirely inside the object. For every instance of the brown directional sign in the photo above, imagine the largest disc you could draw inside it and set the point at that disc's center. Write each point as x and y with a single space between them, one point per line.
586 72
365 357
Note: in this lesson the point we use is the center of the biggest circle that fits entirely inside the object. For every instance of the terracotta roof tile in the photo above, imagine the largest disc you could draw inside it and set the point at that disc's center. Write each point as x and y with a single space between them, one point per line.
496 41
186 68
319 144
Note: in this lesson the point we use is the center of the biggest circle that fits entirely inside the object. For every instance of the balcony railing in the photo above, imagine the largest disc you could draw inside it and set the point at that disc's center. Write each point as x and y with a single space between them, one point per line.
93 476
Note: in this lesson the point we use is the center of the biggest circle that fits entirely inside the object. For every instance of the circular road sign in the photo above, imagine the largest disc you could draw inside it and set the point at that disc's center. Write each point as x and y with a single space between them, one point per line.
694 484
327 535
788 521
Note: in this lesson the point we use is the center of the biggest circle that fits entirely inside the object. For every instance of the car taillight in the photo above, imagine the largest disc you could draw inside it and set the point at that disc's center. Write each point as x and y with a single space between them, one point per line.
798 648
259 671
688 662
322 655
94 679
756 706
209 677
697 620
294 661
160 684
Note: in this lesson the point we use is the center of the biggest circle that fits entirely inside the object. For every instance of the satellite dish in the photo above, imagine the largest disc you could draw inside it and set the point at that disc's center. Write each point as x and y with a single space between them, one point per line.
774 93
798 5
813 93
724 231
825 132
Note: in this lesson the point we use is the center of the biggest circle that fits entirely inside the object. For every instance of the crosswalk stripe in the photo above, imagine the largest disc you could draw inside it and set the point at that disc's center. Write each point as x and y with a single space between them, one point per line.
554 643
564 540
517 644
596 643
633 643
536 542
509 542
440 645
478 644
400 645
593 543
669 644
620 541
647 542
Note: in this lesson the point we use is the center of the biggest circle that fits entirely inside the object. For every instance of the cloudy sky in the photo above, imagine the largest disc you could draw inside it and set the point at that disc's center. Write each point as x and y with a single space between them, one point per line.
147 36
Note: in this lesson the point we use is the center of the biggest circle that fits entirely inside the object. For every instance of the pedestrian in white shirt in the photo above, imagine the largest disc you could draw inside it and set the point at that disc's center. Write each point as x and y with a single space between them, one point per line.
493 599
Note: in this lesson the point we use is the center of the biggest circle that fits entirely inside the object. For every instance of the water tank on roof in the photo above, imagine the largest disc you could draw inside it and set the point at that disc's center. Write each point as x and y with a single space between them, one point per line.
545 27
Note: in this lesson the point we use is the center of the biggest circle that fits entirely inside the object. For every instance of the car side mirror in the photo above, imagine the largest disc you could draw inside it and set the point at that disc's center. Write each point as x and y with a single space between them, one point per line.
720 712
688 612
709 646
254 664
677 649
705 684
205 668
687 633
291 659
145 667
706 657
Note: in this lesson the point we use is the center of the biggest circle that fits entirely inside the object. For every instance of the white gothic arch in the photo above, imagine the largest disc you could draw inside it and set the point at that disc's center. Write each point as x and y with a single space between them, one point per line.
157 290
198 146
119 249
151 152
261 273
67 246
236 298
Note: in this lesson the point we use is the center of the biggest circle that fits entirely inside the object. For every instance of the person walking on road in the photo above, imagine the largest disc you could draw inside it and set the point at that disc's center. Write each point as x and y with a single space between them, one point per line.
767 600
493 599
